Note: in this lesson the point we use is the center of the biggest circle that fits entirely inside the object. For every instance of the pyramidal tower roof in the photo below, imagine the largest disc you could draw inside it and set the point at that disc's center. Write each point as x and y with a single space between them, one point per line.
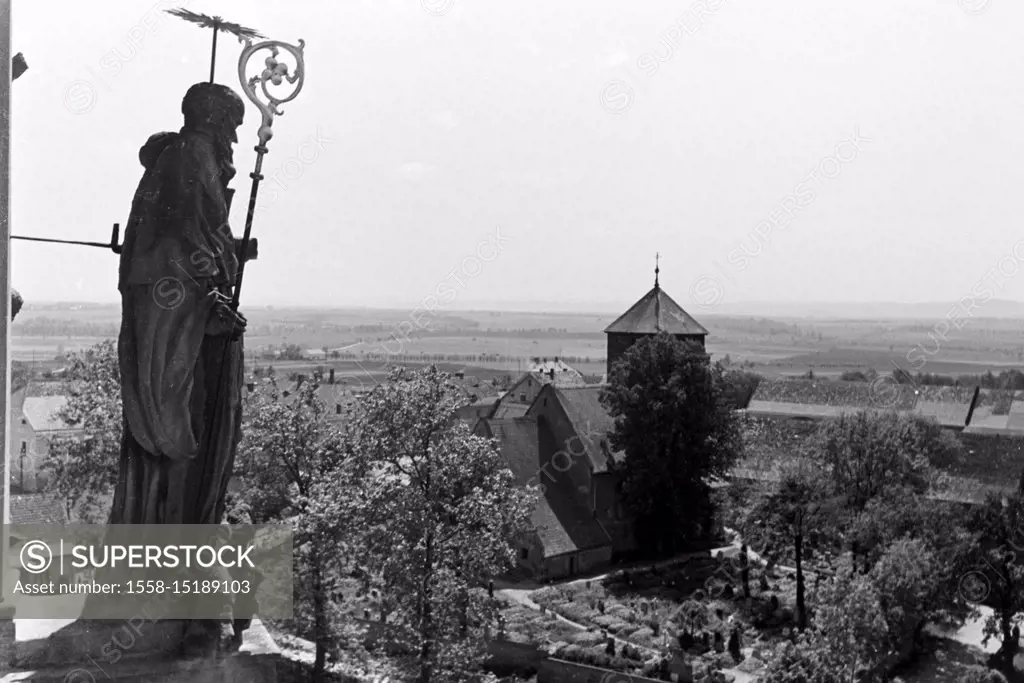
656 312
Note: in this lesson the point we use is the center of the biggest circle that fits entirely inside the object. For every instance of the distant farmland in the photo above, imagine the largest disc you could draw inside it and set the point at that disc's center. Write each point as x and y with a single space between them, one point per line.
774 346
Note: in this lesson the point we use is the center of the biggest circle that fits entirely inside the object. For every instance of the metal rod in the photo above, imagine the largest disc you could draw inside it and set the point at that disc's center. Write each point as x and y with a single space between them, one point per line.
56 241
213 56
112 245
256 176
218 414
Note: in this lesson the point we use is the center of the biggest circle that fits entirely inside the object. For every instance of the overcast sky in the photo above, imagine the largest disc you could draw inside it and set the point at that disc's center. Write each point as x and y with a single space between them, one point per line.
574 135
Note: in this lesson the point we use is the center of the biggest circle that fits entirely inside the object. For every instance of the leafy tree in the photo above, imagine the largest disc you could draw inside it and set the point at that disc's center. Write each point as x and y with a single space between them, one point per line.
866 452
288 449
1001 579
845 642
980 674
20 375
900 512
739 385
438 513
82 469
678 432
793 509
913 587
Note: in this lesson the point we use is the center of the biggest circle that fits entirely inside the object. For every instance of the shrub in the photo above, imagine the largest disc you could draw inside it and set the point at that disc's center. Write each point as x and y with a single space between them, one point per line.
586 638
980 674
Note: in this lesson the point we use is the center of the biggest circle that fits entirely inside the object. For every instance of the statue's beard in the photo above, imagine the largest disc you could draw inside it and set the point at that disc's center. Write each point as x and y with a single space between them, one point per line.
224 137
226 159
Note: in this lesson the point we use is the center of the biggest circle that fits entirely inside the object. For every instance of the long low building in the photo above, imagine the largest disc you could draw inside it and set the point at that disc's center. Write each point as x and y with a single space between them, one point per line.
783 413
973 410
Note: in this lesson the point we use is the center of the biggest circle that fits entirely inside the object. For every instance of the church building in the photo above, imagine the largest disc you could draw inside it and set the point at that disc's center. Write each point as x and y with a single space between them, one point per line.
554 434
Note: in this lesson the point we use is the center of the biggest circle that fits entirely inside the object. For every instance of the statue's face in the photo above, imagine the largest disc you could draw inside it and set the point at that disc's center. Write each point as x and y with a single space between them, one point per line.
229 126
215 108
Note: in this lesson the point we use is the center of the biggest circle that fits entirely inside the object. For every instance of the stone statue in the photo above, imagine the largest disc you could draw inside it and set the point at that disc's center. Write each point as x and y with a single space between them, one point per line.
180 344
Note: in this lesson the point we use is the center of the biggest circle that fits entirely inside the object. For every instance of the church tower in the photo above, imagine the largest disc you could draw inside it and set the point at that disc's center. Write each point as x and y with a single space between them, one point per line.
654 312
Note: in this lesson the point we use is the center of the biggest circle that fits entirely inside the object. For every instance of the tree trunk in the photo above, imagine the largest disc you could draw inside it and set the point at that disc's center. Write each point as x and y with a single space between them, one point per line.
801 615
1010 644
426 625
745 570
320 631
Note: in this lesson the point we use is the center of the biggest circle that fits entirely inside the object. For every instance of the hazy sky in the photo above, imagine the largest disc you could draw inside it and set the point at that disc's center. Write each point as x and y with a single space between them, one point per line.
441 121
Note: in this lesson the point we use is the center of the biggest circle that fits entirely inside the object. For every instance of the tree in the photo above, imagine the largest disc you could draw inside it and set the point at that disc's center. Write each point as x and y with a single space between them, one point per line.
288 450
793 509
438 513
900 512
866 452
844 644
914 587
739 385
998 527
980 674
678 432
82 469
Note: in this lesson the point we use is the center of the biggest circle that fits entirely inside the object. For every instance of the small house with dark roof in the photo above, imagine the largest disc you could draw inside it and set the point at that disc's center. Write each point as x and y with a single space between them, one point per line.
655 312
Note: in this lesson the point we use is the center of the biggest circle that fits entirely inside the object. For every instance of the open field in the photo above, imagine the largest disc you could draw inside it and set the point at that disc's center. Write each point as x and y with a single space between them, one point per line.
504 342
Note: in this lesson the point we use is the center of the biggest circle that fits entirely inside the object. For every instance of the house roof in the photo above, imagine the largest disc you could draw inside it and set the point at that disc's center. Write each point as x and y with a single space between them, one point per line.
590 420
332 395
42 413
507 410
817 399
998 411
655 312
563 526
545 366
569 377
517 442
37 508
482 409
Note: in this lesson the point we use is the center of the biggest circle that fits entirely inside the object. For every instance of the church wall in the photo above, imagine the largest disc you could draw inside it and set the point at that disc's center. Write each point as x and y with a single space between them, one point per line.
530 555
576 563
612 514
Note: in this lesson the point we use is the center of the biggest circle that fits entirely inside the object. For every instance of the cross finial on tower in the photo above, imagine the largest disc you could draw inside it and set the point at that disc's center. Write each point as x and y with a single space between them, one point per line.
656 270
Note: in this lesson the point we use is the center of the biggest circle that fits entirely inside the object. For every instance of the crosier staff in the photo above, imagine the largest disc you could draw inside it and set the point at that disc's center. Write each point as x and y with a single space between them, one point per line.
275 73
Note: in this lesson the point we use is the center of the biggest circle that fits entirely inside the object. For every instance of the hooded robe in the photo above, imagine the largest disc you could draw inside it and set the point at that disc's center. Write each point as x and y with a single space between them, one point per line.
182 409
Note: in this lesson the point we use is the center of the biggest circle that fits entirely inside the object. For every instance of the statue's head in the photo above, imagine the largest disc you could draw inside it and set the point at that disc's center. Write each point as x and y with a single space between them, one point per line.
214 108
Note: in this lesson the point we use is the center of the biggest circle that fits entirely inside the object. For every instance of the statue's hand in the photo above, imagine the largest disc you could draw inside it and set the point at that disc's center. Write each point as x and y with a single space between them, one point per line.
224 320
